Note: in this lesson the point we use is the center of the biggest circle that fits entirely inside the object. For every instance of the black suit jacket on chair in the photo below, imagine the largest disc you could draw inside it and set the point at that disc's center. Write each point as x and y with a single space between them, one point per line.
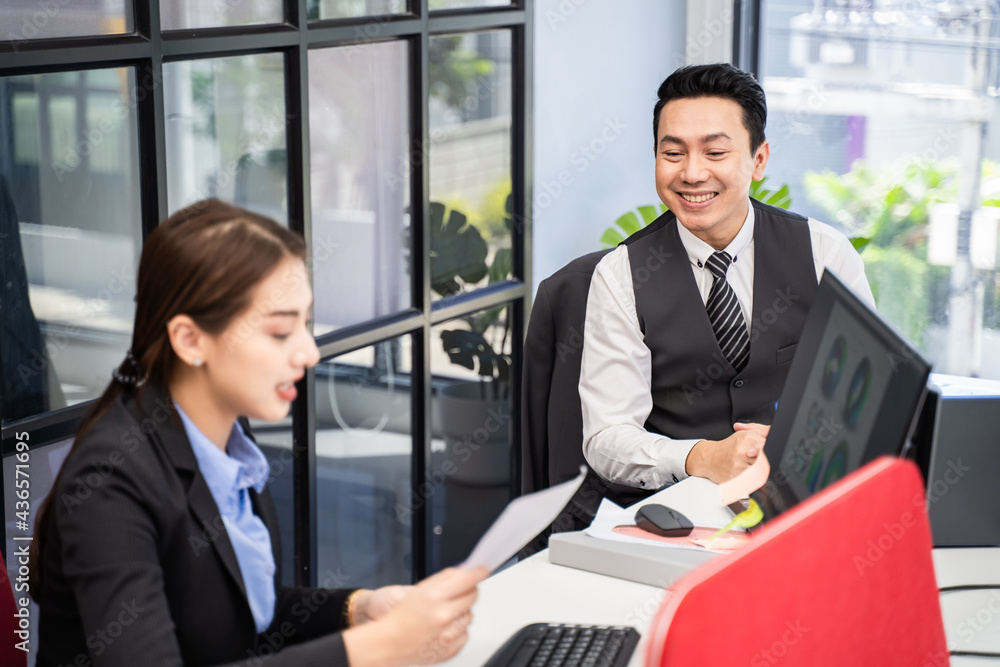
552 417
551 414
138 568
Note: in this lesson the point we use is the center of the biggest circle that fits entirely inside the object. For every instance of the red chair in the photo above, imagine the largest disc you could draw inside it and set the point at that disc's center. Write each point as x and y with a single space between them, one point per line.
845 577
10 655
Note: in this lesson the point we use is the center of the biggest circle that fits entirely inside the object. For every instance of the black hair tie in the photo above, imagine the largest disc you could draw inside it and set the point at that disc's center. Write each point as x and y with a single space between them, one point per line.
128 374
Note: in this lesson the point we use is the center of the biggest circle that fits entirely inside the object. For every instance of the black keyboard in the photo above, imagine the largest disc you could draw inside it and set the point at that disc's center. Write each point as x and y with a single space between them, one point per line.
552 645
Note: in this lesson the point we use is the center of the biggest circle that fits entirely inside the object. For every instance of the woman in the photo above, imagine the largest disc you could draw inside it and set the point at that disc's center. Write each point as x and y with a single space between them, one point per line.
158 544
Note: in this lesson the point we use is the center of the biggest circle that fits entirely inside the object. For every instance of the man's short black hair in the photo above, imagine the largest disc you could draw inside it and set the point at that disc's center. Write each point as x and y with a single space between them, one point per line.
716 80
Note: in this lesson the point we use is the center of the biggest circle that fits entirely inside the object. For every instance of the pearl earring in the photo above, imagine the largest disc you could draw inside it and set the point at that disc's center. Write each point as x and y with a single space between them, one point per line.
197 361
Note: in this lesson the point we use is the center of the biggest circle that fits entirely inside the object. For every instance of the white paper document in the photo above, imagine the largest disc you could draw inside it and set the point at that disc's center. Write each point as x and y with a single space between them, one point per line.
520 521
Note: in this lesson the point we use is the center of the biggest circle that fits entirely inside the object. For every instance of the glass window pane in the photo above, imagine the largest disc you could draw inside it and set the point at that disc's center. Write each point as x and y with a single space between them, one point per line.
879 120
42 464
364 445
226 132
471 421
188 14
342 9
22 20
358 110
70 217
470 151
464 4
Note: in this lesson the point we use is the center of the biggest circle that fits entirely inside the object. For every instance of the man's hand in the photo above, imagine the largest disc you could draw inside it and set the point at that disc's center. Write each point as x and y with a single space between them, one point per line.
721 460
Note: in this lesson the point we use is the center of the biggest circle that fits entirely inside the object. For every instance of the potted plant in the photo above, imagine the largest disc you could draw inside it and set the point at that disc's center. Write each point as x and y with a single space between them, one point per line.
473 416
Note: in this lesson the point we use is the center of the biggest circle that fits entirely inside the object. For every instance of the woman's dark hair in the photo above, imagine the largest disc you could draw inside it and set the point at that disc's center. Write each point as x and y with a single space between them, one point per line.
203 261
716 80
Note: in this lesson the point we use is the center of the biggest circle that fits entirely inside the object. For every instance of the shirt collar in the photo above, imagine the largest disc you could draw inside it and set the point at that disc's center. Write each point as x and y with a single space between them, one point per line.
227 473
698 251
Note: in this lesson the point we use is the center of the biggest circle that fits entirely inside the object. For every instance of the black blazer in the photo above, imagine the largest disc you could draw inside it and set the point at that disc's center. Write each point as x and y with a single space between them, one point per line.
137 568
551 414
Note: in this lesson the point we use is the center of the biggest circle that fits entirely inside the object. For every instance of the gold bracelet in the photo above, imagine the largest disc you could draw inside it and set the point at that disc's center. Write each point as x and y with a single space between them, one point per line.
349 608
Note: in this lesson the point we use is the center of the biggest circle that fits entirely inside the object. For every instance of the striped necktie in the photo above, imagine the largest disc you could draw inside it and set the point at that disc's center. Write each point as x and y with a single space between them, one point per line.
725 314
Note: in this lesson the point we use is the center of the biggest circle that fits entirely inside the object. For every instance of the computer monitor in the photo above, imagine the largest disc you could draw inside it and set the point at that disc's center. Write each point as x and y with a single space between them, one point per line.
851 395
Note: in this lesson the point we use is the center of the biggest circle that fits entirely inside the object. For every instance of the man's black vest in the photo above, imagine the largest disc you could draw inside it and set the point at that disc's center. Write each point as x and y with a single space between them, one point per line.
696 392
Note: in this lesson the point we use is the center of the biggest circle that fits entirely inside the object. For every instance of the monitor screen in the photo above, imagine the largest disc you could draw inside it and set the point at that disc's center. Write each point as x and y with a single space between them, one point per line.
851 395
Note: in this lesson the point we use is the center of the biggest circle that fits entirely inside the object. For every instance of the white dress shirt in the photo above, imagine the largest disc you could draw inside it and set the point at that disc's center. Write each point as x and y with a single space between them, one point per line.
615 375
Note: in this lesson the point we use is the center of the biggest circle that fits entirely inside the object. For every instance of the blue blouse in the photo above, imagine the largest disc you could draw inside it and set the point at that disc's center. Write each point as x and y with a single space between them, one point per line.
229 476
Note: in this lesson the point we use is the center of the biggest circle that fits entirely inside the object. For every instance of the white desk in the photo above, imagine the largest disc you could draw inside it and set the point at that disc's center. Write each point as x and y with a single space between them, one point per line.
536 591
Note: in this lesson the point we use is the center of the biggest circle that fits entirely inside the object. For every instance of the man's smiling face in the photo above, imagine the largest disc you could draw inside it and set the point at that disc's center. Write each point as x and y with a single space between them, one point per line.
704 166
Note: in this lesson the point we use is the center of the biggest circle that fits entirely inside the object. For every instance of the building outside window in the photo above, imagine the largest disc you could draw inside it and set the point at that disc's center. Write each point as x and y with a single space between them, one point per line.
882 118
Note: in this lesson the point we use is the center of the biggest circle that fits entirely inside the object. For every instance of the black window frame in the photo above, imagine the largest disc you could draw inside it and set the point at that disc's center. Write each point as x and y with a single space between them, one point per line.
147 48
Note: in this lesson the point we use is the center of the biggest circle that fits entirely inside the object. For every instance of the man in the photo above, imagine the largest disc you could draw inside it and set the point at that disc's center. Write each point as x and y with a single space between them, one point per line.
691 322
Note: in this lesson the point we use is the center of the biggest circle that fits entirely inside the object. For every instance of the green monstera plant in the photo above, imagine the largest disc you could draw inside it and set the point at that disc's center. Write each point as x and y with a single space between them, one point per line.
630 223
460 259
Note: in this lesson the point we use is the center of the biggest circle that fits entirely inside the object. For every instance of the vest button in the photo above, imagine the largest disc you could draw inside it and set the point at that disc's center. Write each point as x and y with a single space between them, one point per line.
738 384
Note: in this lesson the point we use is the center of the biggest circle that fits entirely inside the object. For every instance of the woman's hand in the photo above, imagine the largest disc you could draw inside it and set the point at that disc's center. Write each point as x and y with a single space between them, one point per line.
420 624
373 605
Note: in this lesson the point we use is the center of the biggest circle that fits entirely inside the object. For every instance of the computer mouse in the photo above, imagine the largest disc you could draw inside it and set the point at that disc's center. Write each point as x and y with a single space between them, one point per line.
663 520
